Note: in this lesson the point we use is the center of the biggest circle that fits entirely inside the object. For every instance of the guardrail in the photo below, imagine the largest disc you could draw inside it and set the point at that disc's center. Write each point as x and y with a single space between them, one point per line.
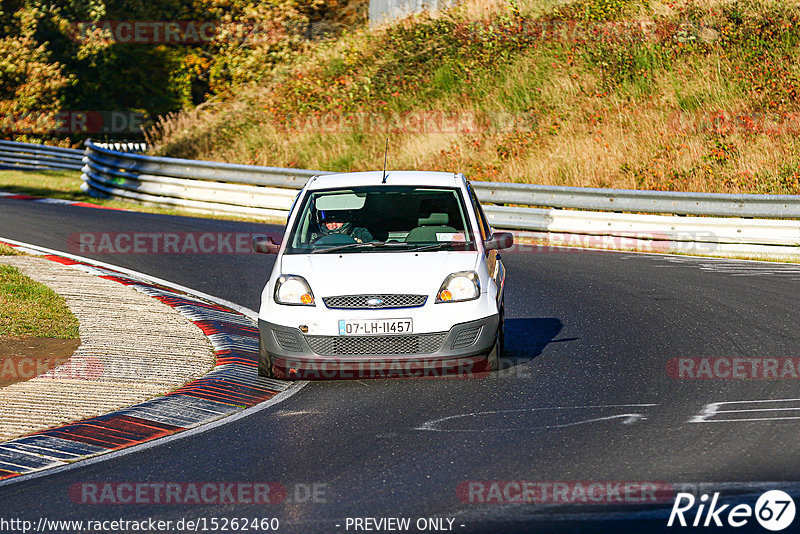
32 156
268 192
203 186
631 200
225 188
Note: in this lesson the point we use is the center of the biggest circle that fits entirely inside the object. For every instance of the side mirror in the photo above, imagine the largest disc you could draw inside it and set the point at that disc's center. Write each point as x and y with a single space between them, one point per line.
499 240
265 245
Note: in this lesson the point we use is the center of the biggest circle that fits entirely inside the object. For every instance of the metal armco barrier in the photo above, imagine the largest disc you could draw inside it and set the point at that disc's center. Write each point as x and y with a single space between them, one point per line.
657 227
32 156
203 186
223 188
679 203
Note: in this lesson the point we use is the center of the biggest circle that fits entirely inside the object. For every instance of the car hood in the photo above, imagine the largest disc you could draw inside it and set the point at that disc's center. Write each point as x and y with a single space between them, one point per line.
377 272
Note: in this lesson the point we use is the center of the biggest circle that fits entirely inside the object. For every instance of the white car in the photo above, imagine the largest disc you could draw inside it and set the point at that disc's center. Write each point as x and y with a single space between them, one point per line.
383 274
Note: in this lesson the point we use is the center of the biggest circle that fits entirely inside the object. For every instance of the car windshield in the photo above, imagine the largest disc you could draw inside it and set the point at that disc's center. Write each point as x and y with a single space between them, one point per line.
381 219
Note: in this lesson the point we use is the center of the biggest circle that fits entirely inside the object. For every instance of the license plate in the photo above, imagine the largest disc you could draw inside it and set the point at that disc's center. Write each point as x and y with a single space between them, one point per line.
375 327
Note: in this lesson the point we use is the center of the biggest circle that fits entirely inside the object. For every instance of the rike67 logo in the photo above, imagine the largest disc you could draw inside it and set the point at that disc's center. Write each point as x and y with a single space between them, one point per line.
774 510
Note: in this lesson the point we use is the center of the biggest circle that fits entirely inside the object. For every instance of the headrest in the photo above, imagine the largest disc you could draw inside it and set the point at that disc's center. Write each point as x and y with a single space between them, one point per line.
434 219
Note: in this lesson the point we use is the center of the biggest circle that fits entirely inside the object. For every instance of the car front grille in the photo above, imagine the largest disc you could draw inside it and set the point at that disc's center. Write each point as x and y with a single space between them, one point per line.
465 338
361 302
366 345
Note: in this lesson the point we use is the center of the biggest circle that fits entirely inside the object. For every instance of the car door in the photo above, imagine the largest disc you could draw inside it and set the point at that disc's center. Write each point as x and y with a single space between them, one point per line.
493 260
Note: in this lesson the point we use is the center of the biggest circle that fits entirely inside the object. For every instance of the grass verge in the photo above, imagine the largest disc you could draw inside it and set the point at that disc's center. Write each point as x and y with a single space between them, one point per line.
706 98
31 309
5 250
66 185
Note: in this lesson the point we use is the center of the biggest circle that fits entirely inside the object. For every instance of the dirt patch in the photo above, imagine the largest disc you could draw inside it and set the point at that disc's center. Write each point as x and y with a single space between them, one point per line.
24 358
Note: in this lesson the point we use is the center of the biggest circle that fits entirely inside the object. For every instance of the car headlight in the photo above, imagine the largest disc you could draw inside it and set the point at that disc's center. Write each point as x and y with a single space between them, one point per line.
293 290
460 286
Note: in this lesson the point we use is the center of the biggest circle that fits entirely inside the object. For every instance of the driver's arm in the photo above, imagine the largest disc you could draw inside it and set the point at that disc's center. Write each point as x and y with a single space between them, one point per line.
362 234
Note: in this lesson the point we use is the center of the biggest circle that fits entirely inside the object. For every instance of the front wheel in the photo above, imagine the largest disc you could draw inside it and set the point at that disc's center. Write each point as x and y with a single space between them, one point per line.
499 342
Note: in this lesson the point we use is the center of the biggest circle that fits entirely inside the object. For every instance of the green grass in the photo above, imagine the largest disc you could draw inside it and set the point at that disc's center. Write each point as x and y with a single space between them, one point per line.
5 250
605 112
31 309
53 184
66 185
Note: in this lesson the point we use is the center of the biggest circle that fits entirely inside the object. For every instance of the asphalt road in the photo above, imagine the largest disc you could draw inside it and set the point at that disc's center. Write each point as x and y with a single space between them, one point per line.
586 396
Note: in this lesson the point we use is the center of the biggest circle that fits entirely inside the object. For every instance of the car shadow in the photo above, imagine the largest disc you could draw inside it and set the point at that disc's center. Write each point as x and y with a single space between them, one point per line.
526 338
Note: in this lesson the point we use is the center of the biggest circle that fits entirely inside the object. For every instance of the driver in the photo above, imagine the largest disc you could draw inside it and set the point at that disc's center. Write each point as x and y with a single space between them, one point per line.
336 222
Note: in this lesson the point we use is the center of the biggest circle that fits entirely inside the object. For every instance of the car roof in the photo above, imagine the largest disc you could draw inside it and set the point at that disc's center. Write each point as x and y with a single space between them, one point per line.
355 179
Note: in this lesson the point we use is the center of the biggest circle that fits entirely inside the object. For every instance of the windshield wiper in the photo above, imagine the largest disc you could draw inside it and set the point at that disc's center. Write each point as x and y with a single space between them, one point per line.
370 244
437 246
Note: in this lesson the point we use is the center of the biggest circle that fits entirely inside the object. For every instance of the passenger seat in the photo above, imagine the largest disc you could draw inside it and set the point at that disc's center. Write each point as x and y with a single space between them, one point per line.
428 227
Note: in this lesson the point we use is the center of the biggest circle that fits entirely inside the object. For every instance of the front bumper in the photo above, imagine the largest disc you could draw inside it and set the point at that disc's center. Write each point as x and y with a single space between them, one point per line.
461 351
